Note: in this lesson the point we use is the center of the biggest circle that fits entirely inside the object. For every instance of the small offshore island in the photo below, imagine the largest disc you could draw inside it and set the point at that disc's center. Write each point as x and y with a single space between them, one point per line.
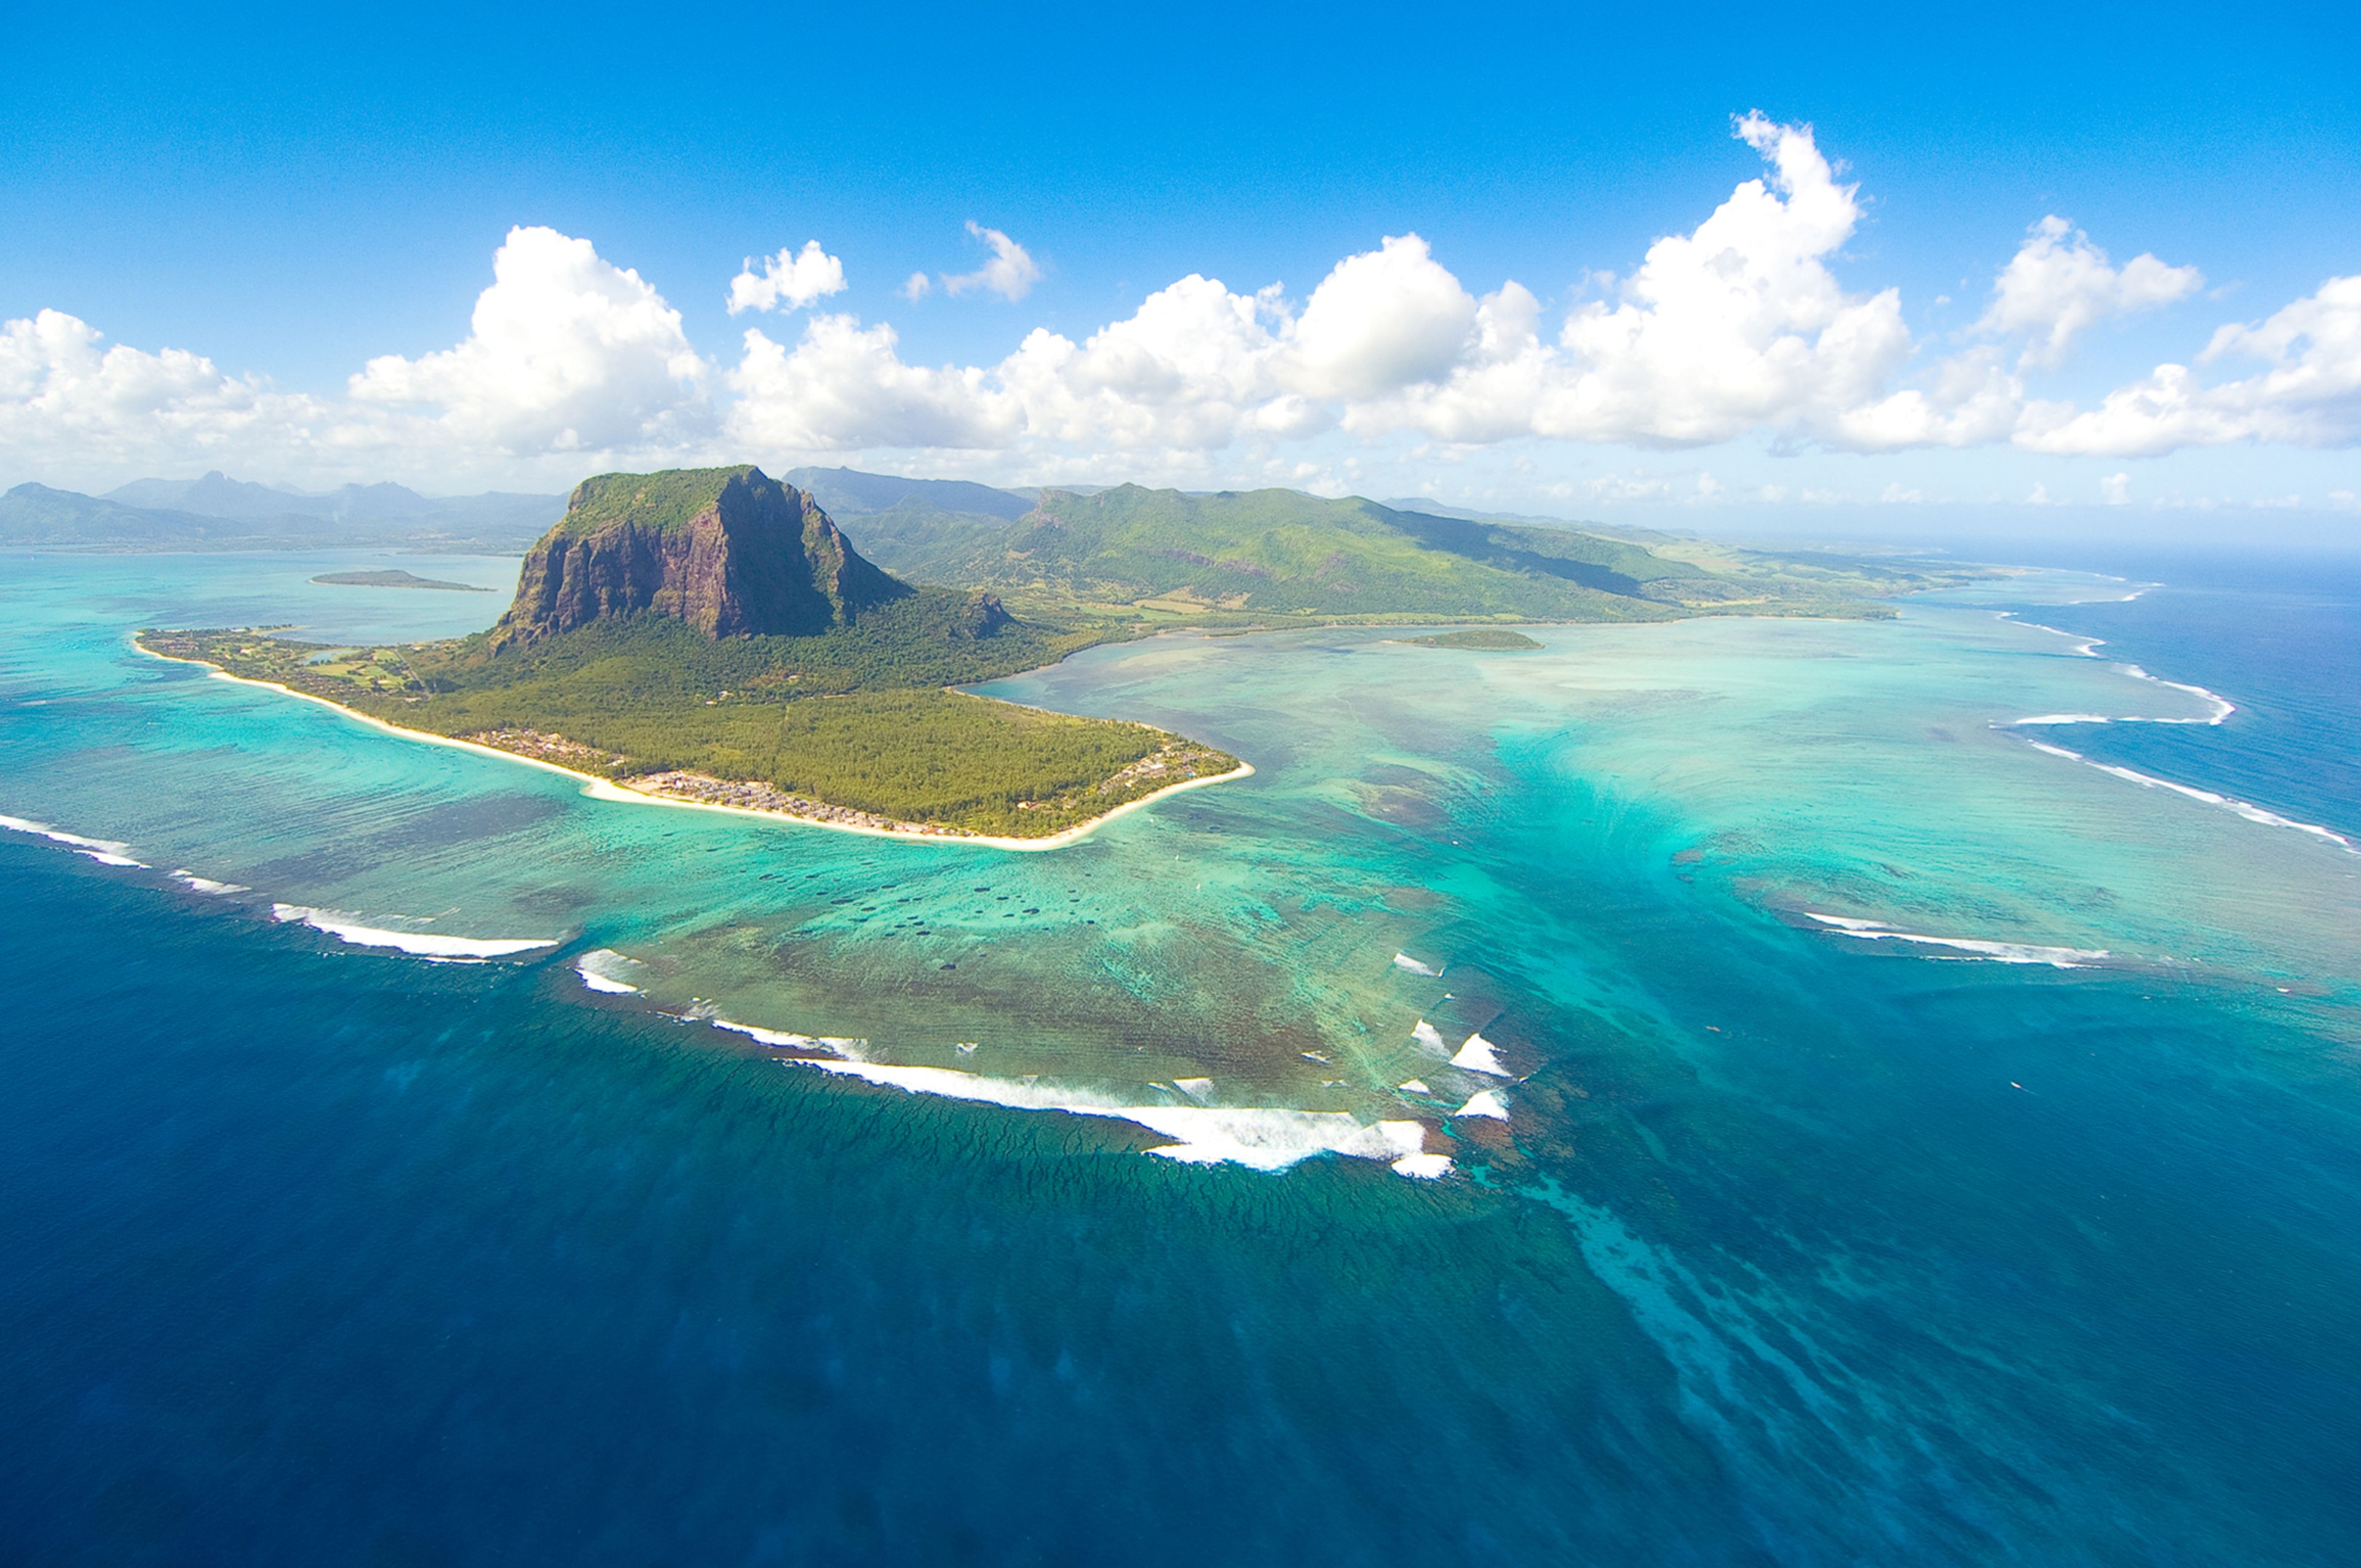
1481 638
393 578
708 637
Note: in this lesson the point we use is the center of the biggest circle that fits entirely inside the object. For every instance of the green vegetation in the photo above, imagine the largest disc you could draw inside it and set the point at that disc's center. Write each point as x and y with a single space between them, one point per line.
1486 641
1279 557
654 501
856 719
926 640
393 578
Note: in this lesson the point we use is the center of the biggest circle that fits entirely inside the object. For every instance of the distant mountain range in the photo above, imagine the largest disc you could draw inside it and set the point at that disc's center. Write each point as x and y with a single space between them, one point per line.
1068 556
216 512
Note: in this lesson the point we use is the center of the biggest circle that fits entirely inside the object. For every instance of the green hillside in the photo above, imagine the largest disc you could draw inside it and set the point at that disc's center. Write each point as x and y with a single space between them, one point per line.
1262 556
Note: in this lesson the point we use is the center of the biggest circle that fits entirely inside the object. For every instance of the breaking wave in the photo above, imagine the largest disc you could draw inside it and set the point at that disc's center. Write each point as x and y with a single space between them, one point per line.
1973 947
2247 809
1480 1055
419 944
2217 706
1484 1102
789 1040
1259 1137
105 851
603 971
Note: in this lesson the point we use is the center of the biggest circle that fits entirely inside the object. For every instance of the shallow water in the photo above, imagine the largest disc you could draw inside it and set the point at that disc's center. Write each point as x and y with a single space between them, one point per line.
1918 1144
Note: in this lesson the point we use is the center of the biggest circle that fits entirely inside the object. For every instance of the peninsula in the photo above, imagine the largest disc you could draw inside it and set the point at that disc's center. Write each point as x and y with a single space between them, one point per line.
710 638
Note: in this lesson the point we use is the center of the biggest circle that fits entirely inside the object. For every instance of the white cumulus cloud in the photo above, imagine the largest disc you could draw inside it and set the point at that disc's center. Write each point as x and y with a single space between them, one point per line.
64 396
1011 273
566 352
2309 395
844 386
1741 326
1380 321
2059 285
793 279
1737 326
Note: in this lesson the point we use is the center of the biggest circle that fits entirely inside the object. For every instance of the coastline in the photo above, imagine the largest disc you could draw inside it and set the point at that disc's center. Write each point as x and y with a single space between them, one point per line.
596 788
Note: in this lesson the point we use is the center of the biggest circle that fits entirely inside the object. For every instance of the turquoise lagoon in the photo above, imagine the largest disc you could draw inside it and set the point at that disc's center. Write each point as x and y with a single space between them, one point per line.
1723 1092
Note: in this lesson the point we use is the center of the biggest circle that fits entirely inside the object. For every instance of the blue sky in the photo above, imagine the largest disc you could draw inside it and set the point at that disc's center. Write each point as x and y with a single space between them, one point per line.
290 196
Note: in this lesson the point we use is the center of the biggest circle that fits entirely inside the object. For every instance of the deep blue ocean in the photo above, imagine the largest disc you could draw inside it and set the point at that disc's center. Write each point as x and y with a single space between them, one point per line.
1813 1251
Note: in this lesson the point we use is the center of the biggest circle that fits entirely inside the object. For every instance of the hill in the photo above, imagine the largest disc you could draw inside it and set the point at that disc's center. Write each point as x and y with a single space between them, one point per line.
848 492
35 516
220 513
1275 555
217 495
710 635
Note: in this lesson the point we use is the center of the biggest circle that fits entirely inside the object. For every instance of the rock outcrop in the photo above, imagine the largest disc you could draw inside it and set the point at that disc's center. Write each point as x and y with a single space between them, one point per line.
731 551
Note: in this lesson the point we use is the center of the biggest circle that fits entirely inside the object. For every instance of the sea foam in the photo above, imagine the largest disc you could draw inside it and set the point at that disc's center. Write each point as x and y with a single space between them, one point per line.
105 851
2247 809
604 969
1259 1137
1484 1102
1480 1055
1975 947
207 885
1404 961
789 1040
417 944
2219 707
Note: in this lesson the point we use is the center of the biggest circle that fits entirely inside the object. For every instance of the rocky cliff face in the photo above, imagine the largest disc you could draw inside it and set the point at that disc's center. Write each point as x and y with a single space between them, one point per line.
733 552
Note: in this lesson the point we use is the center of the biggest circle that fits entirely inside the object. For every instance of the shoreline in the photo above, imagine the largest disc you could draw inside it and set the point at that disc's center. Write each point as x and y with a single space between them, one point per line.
596 788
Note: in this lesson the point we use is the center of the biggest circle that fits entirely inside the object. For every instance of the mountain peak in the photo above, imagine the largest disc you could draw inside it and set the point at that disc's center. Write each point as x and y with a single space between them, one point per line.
731 551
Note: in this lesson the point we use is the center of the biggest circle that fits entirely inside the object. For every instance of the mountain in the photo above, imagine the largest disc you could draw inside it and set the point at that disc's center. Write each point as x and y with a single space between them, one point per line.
1280 552
216 512
1432 508
729 552
217 495
35 516
848 492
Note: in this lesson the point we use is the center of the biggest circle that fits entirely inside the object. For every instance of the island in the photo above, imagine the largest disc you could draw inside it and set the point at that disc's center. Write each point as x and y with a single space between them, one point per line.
1486 639
393 578
710 638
